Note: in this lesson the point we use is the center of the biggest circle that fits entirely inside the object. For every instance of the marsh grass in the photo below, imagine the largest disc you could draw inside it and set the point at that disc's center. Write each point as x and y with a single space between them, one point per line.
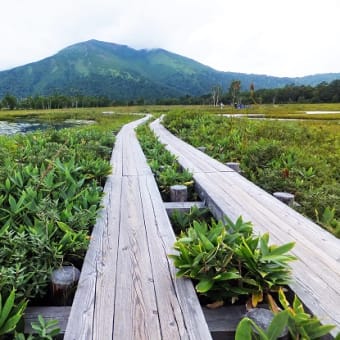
51 185
301 157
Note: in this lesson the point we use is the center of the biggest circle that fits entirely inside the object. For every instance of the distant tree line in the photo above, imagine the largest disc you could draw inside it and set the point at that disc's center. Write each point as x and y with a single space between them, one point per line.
322 93
55 101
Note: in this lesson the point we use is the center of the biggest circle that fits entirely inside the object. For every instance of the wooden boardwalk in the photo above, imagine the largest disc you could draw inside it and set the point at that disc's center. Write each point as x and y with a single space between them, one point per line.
316 273
127 288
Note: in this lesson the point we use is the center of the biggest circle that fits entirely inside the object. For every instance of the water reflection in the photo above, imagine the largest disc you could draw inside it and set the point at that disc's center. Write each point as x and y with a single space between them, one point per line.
10 128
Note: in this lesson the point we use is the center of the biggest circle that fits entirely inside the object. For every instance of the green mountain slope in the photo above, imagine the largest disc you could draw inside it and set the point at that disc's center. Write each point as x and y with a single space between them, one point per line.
119 72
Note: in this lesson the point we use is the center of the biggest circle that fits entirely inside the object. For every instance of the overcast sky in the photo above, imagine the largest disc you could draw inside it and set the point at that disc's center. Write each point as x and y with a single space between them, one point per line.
274 37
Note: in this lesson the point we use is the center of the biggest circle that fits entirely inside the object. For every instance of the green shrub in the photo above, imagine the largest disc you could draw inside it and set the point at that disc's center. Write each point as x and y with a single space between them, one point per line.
10 313
164 165
183 220
300 324
51 184
228 261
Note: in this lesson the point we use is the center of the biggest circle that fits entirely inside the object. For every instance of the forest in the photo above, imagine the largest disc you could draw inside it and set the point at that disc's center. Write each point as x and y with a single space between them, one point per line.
322 93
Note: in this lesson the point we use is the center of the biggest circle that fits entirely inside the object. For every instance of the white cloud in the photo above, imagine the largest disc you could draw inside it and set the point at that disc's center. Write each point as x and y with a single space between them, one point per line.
285 38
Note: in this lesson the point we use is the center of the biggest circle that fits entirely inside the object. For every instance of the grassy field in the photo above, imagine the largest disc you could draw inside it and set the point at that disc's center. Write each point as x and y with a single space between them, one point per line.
297 156
289 111
278 111
99 114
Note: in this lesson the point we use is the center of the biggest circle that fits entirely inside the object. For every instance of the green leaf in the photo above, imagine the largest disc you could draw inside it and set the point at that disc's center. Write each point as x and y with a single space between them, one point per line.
12 202
264 244
274 250
204 285
198 259
52 323
297 305
10 324
277 325
185 240
36 326
201 230
279 258
251 282
7 308
227 276
64 227
8 184
54 332
283 300
205 241
320 331
3 230
244 330
217 234
21 336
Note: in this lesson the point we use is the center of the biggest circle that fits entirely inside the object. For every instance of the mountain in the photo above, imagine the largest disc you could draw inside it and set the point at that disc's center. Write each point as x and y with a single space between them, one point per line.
97 68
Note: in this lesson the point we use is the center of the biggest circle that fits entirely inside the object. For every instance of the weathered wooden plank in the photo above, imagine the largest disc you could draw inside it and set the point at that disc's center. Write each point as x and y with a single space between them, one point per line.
48 313
179 308
184 207
117 154
123 149
310 230
134 160
105 288
127 288
168 308
80 324
266 218
317 272
81 320
224 319
273 211
136 315
201 163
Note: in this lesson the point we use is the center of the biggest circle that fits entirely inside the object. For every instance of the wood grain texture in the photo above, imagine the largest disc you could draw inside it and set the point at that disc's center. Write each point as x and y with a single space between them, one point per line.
128 287
183 207
48 313
316 274
180 314
224 319
80 324
135 305
106 268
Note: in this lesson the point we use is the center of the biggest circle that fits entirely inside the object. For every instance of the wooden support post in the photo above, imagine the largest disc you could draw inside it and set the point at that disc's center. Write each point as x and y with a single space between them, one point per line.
178 193
234 165
64 281
285 197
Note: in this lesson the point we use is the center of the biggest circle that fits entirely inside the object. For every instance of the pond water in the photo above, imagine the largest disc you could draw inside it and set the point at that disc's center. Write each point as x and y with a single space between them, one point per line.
321 112
21 126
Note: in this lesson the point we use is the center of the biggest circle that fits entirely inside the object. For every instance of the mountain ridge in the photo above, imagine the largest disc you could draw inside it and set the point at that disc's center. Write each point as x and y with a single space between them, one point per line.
99 68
